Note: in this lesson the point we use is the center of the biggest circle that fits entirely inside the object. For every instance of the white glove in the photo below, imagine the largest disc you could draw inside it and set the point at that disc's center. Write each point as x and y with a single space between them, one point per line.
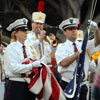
26 59
93 26
32 57
36 64
92 66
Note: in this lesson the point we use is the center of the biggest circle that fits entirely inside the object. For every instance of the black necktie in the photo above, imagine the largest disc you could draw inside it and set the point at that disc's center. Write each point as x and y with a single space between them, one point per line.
24 52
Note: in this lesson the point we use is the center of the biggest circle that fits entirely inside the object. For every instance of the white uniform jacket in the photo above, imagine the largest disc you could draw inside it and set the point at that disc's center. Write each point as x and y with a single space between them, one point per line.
65 50
13 59
42 48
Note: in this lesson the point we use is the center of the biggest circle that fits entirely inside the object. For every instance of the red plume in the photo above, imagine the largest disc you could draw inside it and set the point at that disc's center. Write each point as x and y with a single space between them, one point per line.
41 6
79 25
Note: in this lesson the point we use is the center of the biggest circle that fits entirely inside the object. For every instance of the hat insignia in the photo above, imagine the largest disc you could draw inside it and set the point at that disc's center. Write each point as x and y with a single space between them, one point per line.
71 21
40 17
79 34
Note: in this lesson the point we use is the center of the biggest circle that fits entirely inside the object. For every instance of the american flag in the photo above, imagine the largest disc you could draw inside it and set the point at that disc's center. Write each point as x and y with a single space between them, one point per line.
73 88
80 66
43 83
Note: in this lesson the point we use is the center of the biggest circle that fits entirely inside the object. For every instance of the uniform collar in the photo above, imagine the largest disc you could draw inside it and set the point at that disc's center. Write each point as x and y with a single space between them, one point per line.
70 42
19 44
33 33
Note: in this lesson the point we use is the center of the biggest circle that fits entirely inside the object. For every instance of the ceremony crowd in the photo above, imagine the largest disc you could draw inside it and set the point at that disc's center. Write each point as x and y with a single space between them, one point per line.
30 52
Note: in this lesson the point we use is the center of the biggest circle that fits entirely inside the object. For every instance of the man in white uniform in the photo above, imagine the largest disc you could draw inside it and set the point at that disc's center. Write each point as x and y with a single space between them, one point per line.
67 53
37 37
15 54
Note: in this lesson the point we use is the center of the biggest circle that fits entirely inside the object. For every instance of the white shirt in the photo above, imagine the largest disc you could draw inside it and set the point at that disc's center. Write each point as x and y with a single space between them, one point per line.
33 41
65 50
13 59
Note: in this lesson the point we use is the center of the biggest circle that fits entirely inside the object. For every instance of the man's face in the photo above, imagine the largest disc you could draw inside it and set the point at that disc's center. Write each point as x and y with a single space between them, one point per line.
36 27
71 34
21 35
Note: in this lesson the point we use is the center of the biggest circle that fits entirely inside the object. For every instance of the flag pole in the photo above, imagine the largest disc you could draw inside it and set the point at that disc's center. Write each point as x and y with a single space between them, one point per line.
94 2
0 59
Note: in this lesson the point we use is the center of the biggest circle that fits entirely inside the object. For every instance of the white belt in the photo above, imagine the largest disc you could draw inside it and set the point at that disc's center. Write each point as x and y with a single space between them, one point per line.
17 79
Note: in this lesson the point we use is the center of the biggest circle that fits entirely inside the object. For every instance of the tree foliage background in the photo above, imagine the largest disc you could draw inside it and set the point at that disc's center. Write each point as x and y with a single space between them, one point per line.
56 11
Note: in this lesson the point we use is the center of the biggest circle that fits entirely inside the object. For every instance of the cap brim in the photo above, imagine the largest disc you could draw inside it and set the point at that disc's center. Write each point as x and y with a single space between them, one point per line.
38 21
22 28
72 27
